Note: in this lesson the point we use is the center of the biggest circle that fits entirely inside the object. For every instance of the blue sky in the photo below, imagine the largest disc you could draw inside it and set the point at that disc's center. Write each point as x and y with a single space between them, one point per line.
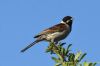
20 20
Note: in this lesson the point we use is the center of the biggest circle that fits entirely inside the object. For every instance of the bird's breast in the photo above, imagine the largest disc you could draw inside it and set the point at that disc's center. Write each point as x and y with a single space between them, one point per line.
57 36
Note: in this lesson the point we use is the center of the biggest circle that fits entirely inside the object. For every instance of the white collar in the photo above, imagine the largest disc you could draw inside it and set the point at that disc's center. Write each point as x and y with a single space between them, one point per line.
62 22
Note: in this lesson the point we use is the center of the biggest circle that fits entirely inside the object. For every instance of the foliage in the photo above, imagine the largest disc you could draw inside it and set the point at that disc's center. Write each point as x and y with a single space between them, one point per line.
65 57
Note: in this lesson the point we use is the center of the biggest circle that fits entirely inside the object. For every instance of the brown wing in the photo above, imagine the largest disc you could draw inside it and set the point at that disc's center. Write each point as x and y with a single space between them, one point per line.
56 28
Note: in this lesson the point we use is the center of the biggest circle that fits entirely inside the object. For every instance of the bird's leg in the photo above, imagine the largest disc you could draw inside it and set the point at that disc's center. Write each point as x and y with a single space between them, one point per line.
55 43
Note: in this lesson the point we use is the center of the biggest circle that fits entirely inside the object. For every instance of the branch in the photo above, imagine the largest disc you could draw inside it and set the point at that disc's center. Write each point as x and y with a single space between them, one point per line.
65 57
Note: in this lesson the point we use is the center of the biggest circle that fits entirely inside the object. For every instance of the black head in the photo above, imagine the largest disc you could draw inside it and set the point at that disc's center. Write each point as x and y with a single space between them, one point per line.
68 20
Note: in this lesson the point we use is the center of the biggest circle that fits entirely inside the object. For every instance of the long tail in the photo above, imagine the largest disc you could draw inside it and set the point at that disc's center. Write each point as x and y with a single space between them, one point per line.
23 50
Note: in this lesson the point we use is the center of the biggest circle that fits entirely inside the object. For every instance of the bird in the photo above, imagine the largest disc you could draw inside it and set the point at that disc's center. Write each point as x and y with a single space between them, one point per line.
55 33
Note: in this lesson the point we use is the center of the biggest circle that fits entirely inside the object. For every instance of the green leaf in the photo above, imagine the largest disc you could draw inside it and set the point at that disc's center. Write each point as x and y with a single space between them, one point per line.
77 56
61 44
58 64
59 48
67 50
94 64
80 64
69 46
71 57
90 64
62 51
86 64
56 60
68 64
82 56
